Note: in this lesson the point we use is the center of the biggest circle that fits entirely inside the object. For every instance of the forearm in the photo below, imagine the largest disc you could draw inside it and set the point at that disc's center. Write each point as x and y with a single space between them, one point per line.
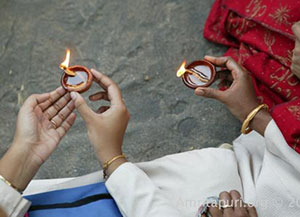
18 167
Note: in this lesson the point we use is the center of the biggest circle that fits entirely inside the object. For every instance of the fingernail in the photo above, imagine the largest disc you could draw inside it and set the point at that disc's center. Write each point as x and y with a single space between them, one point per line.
199 92
93 70
73 95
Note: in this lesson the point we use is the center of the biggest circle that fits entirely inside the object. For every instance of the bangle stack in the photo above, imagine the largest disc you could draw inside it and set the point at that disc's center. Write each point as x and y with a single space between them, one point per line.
9 184
245 127
109 162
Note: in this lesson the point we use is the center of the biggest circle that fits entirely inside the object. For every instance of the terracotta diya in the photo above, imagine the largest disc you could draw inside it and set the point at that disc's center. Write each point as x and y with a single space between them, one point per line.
199 73
75 78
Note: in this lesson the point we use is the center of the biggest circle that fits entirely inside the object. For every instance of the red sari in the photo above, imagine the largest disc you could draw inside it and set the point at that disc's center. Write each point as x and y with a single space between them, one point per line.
260 38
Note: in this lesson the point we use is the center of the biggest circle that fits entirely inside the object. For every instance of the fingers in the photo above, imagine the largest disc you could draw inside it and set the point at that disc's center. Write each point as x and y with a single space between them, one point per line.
53 97
238 203
223 62
251 210
209 93
98 96
66 125
228 62
64 113
113 91
84 110
57 106
215 211
226 203
36 99
102 109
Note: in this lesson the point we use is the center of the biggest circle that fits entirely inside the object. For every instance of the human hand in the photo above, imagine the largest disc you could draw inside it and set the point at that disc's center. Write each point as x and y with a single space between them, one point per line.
240 97
296 52
235 207
106 127
36 136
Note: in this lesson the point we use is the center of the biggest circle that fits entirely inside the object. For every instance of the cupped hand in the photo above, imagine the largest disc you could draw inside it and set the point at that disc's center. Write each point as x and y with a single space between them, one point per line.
42 122
231 205
106 126
240 97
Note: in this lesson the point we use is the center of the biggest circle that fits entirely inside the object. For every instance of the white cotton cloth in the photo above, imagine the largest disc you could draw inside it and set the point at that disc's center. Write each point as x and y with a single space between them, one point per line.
265 170
12 204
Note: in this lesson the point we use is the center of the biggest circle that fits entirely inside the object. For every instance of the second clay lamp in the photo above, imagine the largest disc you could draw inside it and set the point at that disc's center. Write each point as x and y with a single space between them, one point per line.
199 73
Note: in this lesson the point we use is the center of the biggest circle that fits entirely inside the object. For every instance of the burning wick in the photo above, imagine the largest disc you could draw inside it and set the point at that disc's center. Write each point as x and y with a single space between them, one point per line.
75 78
65 64
182 70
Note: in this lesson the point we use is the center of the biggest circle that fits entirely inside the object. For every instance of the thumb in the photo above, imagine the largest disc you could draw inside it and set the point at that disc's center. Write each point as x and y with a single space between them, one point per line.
209 93
84 110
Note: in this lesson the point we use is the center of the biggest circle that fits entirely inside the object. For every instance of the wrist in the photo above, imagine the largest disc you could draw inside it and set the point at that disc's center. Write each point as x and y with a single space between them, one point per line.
18 166
114 165
248 110
261 121
106 155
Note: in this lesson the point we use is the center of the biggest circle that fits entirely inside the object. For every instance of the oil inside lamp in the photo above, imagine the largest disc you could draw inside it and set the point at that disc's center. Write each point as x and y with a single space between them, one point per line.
75 78
200 73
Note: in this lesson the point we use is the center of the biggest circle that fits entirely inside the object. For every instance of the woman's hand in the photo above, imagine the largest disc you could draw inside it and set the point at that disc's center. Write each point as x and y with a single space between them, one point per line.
240 97
106 127
296 52
42 122
235 206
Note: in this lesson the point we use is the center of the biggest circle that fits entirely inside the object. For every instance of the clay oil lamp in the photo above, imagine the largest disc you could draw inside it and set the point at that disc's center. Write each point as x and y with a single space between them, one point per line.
199 73
75 78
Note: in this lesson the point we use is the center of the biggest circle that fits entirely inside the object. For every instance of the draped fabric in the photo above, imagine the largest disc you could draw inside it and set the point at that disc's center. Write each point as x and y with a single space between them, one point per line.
259 35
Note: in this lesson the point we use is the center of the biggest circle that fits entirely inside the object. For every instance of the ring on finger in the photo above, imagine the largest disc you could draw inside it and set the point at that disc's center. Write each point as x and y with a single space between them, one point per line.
54 124
226 206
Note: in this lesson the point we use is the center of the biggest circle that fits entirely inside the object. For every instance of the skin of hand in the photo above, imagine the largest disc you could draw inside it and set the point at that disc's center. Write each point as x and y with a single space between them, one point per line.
296 52
36 137
106 127
239 209
240 97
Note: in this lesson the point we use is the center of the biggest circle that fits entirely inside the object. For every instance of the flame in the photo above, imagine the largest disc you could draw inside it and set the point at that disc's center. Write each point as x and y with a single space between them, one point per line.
182 69
65 64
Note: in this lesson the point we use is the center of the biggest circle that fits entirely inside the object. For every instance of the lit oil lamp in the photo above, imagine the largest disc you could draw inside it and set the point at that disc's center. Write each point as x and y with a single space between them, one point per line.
75 78
199 73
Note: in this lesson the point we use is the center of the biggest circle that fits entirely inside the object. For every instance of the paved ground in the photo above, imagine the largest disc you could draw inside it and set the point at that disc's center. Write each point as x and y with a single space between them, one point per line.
128 40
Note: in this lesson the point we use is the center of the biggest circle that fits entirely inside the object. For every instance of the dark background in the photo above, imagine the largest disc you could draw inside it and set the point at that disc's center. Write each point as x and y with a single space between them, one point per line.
128 40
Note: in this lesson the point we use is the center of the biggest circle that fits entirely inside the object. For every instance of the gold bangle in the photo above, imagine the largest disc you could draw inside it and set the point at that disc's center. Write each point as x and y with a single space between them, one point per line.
245 127
9 184
109 162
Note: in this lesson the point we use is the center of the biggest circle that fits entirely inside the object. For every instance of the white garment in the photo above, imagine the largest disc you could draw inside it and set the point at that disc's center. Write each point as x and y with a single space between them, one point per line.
11 202
264 170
